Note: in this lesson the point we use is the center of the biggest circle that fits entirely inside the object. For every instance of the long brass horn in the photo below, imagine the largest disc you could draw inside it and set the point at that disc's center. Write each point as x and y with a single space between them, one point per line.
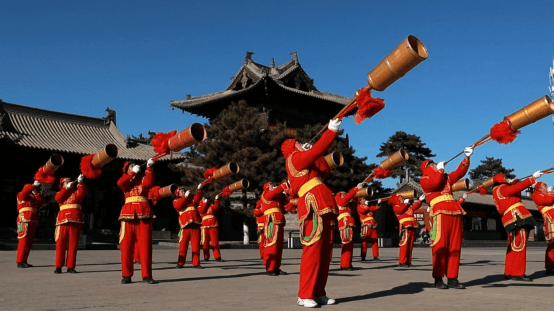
168 190
239 185
225 171
365 192
187 137
105 155
334 160
54 162
461 185
410 194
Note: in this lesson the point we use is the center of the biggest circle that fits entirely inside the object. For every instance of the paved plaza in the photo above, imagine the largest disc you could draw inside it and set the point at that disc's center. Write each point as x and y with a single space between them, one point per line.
240 283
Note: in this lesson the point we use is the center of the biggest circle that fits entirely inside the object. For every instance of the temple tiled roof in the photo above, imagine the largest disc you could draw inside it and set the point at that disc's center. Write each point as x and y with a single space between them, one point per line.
259 75
41 129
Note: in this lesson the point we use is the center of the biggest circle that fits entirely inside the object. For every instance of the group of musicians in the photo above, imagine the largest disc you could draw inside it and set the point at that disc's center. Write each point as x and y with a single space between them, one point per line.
318 209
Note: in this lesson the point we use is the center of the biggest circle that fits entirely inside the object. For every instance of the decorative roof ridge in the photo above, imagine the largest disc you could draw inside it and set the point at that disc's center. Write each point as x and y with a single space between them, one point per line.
18 109
340 99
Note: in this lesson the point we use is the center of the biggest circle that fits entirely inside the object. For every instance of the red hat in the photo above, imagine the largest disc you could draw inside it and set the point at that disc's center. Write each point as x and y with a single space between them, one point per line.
266 186
126 166
60 185
339 195
499 178
426 163
288 147
538 186
394 200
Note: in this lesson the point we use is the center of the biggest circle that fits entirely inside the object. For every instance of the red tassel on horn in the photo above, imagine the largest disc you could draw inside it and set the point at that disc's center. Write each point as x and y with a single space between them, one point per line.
160 142
209 172
502 133
380 173
367 105
154 194
483 191
45 177
226 192
87 169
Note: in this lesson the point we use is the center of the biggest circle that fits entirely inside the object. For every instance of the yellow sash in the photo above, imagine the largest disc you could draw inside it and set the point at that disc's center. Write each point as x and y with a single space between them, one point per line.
441 198
512 207
271 210
547 208
343 215
22 210
309 185
136 199
207 217
69 206
406 219
188 209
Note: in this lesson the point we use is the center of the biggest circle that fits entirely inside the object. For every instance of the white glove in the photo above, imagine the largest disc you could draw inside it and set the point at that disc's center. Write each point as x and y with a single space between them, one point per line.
199 186
306 146
136 168
334 124
205 200
366 203
379 201
468 151
37 183
69 185
428 209
422 197
187 193
510 181
440 165
537 174
360 185
550 188
150 163
216 197
464 196
80 178
406 201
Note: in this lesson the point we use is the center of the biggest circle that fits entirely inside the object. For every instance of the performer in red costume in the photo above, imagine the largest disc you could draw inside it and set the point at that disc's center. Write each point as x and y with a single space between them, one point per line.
209 228
446 219
368 231
190 222
69 222
306 169
407 226
259 214
545 202
29 200
346 225
274 223
517 221
136 220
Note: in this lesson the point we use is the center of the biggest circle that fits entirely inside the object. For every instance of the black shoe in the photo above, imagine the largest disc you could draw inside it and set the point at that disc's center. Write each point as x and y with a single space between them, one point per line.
22 265
273 273
149 280
507 277
350 268
453 283
206 260
197 266
522 278
363 258
180 266
403 265
440 284
219 259
409 265
126 280
376 259
58 271
282 272
549 272
341 268
69 270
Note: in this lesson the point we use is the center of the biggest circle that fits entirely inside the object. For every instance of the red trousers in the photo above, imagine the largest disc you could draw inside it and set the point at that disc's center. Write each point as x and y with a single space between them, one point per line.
136 255
371 237
274 253
136 232
25 244
406 246
191 235
67 239
346 255
261 242
549 258
211 235
447 245
315 259
516 254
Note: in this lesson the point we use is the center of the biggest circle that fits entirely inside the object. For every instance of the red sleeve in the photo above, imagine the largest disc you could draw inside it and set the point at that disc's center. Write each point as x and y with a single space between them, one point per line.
63 194
416 205
25 193
81 191
460 172
304 159
258 212
181 202
40 199
197 197
203 207
543 199
344 200
273 195
216 205
512 190
374 208
323 167
124 182
400 209
432 181
362 209
149 179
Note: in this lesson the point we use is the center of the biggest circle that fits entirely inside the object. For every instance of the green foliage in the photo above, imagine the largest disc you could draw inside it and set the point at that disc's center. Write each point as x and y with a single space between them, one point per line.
488 169
412 144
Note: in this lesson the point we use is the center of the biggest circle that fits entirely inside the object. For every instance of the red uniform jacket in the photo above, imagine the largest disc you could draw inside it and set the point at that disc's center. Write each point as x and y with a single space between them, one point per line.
405 214
345 204
188 213
259 214
28 204
207 212
438 189
507 199
306 171
366 215
545 203
136 195
272 207
71 201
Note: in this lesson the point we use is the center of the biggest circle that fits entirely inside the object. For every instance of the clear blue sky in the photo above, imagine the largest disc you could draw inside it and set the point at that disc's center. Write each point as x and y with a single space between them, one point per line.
487 59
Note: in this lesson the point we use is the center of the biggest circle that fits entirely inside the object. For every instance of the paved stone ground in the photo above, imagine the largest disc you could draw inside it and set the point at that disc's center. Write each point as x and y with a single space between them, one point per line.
240 283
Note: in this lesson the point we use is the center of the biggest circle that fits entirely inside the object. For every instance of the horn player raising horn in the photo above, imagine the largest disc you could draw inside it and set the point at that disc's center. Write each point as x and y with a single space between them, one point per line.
446 219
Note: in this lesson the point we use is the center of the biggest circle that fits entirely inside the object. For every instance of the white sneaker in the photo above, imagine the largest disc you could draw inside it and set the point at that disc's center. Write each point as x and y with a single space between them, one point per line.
307 303
324 300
